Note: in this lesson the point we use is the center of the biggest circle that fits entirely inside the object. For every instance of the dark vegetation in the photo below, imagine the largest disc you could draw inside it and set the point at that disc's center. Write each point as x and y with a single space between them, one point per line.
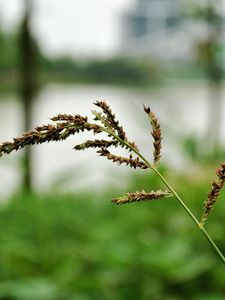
118 70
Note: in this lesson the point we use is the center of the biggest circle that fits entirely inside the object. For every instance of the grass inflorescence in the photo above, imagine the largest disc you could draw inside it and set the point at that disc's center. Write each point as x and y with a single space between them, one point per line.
105 122
213 195
141 196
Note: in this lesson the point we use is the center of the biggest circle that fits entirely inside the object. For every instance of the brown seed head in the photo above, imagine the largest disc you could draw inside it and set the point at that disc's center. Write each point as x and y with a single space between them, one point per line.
51 132
156 134
96 144
110 122
111 118
130 161
217 186
75 119
141 196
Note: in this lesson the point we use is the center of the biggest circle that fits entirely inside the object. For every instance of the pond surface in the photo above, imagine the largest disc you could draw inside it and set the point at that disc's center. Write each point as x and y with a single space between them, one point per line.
181 107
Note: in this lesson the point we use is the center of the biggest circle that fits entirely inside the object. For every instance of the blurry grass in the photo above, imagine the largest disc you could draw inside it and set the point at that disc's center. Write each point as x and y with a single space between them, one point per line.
80 246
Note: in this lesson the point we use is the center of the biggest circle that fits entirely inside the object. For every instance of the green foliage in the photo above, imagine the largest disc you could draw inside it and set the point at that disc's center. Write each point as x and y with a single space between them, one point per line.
199 150
9 52
119 70
83 247
111 71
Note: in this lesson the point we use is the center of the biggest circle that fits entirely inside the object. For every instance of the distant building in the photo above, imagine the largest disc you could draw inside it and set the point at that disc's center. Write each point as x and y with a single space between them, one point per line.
155 28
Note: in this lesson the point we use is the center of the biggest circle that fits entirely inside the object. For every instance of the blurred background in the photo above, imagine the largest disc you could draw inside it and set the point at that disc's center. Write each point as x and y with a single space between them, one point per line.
60 237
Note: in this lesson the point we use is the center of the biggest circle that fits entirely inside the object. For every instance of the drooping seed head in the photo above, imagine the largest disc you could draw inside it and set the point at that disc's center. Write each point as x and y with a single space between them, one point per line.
96 144
141 196
65 125
111 118
217 186
156 134
129 161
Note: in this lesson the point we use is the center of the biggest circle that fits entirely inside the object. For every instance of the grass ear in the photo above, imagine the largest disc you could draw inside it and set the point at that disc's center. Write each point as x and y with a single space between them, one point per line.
156 134
65 125
141 196
213 195
111 119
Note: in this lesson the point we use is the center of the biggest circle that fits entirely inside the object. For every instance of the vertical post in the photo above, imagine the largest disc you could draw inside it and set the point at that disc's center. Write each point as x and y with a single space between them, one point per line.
27 86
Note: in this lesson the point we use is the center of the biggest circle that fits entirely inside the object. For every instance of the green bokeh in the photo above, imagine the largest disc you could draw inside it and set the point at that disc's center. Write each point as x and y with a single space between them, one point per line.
80 246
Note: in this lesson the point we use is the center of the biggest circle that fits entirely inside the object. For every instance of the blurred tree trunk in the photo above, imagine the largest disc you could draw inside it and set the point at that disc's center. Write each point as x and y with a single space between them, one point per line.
28 86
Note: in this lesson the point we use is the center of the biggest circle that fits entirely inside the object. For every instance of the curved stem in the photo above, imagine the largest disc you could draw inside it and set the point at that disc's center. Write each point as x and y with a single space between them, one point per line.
194 219
202 229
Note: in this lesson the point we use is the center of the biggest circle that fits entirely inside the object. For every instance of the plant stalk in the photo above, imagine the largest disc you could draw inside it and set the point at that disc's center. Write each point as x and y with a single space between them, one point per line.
198 224
194 219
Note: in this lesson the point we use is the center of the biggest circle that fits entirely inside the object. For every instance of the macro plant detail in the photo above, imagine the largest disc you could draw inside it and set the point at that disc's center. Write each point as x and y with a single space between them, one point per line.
105 122
214 193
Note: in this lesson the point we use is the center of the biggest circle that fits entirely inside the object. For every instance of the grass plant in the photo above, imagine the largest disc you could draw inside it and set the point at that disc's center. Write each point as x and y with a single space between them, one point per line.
105 122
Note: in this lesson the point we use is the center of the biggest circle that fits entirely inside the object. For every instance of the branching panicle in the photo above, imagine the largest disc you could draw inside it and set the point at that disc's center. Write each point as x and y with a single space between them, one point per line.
66 125
41 134
141 196
51 132
111 118
112 132
100 117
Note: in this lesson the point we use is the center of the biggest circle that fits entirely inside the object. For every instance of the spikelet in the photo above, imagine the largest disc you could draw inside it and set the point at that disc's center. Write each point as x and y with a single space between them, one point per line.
141 196
111 119
76 119
110 122
100 117
96 144
130 161
214 193
65 125
51 132
156 134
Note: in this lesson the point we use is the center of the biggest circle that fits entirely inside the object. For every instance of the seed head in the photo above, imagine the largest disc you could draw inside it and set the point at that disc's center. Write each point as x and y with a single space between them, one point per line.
130 161
96 144
141 196
217 186
156 134
111 118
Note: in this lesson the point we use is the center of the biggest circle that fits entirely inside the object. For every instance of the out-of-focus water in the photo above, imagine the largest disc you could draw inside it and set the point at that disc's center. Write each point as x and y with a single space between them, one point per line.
182 109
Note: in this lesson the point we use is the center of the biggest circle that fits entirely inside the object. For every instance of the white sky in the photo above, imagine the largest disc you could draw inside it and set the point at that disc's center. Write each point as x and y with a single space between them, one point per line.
74 27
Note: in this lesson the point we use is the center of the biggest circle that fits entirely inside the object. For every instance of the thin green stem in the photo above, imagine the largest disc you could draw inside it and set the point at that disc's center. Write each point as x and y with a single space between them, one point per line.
197 223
